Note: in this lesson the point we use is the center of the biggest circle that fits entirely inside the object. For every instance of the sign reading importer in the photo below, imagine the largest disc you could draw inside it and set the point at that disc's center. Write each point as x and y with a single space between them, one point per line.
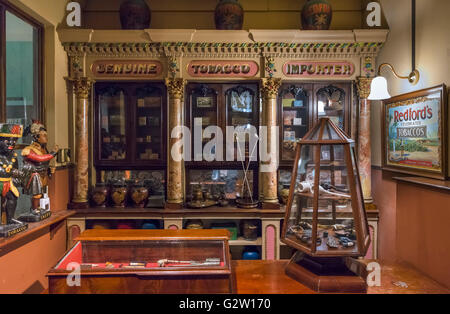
318 69
229 68
132 68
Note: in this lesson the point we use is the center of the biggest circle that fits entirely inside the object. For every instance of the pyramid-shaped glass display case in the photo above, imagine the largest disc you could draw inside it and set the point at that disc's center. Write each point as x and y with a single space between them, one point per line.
325 214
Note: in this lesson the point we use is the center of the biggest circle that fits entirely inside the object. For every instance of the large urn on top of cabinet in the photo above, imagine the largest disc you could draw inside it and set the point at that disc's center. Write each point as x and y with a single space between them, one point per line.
135 14
229 15
316 15
325 215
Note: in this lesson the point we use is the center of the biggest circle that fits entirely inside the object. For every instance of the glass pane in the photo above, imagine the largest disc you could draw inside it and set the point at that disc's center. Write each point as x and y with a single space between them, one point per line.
331 103
113 124
22 72
240 115
299 226
204 107
295 119
218 185
148 124
359 193
335 225
148 254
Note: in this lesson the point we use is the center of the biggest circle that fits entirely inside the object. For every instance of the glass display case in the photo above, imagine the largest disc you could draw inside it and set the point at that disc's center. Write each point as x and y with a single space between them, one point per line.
325 215
147 261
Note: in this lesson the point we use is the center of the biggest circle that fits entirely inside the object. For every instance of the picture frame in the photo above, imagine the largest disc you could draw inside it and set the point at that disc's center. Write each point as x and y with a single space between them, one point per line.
205 102
415 133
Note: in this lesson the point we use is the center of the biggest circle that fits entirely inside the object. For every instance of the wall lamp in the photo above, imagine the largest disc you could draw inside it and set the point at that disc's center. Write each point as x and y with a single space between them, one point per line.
379 88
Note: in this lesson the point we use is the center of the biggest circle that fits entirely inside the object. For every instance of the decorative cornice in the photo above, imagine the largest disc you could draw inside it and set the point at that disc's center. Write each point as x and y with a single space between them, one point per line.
81 86
270 87
175 87
363 85
232 50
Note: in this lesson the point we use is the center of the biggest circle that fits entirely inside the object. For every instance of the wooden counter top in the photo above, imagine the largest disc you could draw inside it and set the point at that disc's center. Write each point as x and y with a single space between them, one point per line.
268 277
8 244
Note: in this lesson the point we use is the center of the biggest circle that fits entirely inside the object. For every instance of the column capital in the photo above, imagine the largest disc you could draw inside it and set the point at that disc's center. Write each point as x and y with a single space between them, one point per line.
81 86
175 87
363 85
270 87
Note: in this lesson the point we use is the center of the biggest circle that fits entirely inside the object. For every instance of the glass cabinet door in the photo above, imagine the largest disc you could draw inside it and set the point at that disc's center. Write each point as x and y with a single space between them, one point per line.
149 119
294 104
241 109
112 110
204 111
332 101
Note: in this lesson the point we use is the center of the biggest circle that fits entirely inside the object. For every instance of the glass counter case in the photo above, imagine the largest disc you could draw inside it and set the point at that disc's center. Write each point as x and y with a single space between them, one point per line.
146 261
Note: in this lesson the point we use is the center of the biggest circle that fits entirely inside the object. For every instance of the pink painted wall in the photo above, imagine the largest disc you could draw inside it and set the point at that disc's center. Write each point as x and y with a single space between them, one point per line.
24 268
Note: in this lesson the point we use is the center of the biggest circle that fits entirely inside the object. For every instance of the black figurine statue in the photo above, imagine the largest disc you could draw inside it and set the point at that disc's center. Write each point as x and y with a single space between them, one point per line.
36 165
10 176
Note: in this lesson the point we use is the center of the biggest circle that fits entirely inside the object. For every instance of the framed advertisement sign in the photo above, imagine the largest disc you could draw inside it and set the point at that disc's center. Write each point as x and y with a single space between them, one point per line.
415 133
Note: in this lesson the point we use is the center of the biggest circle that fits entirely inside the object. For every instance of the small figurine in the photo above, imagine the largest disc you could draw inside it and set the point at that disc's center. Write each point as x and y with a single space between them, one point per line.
36 160
10 176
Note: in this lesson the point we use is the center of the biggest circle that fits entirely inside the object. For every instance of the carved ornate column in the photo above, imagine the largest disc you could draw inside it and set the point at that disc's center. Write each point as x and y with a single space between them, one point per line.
175 87
365 151
268 179
82 88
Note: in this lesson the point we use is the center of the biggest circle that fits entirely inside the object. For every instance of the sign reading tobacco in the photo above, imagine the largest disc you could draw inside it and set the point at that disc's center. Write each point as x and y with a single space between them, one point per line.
117 68
318 69
223 68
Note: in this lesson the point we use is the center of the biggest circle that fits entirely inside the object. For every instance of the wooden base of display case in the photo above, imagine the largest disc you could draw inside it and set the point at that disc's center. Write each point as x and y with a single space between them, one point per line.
270 205
326 275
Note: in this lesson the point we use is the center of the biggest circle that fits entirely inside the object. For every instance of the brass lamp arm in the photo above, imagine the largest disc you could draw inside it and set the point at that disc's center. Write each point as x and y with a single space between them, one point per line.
413 77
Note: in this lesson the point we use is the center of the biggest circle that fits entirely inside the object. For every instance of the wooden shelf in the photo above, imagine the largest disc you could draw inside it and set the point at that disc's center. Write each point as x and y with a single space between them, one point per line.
242 242
23 238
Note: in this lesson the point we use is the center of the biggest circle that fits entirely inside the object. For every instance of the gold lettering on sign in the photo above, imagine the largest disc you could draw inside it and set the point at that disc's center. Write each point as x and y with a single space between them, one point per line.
314 68
124 68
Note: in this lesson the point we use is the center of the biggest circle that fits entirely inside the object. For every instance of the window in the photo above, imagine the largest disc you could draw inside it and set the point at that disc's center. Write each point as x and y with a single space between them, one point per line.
20 67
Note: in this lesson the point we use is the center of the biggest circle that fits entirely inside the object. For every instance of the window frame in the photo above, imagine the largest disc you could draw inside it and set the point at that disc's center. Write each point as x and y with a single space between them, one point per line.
39 83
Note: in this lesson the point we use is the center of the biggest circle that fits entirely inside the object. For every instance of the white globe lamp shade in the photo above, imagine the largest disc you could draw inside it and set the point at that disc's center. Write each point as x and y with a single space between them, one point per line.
378 89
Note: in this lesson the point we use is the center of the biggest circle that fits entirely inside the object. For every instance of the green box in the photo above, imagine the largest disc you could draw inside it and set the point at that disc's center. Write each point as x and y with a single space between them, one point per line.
231 227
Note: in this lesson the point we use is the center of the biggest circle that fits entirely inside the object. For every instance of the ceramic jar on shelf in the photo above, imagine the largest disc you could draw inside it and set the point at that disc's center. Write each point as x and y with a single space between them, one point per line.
229 15
316 15
139 194
100 194
119 194
135 14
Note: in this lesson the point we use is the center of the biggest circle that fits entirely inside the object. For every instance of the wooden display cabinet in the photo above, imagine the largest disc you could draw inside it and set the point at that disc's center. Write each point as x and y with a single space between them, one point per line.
222 105
130 125
147 261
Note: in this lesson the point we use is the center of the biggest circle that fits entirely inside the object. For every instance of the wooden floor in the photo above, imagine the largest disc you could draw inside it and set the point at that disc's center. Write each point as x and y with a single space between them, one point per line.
267 277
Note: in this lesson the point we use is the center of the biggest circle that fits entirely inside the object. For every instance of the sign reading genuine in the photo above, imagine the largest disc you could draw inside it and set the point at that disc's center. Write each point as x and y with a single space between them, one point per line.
318 69
223 68
117 68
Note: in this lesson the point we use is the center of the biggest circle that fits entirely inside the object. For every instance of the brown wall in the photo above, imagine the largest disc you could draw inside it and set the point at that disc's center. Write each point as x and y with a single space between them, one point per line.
199 14
24 265
384 192
59 189
423 232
